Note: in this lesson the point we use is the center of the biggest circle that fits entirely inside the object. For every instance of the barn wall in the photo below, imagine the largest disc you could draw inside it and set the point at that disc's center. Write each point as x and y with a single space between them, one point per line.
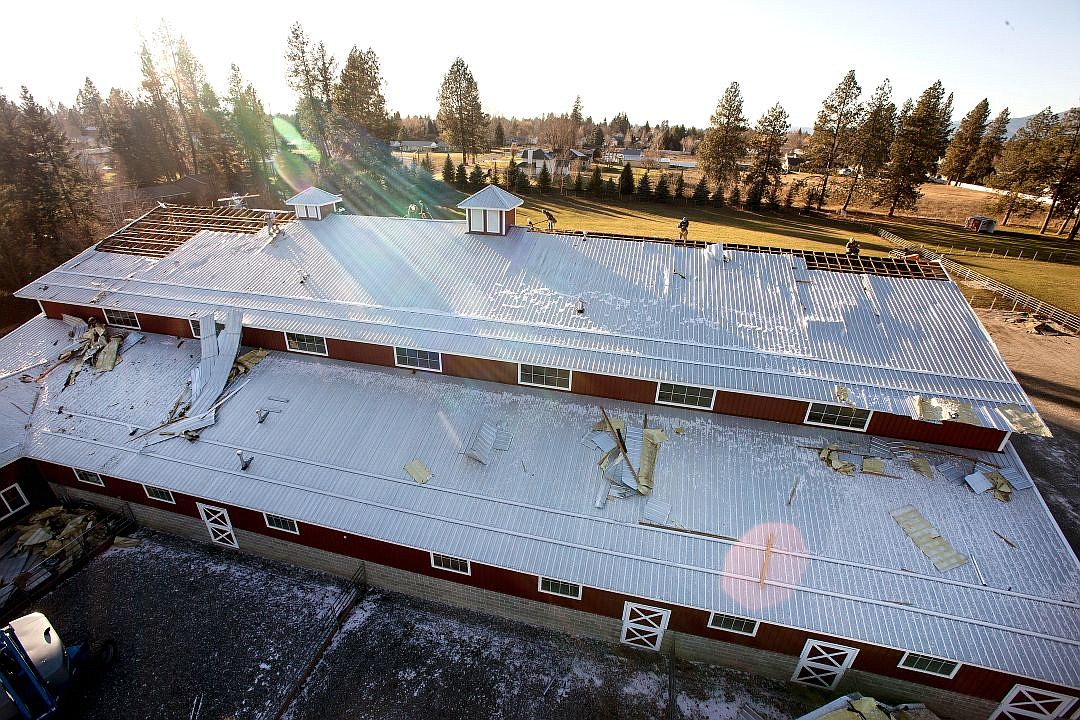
759 406
946 433
585 383
24 473
773 651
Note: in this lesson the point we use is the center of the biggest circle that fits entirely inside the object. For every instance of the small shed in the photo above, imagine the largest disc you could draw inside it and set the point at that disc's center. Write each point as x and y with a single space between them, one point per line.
981 224
491 211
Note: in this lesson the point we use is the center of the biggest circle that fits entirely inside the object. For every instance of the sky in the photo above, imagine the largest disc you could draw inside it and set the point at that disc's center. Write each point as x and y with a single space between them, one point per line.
652 60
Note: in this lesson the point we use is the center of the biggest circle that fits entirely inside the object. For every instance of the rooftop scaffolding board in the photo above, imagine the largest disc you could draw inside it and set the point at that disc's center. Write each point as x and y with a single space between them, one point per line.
167 227
815 260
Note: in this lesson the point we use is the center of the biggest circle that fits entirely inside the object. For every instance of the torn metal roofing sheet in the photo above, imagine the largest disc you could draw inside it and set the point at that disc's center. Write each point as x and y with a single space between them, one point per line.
726 481
746 325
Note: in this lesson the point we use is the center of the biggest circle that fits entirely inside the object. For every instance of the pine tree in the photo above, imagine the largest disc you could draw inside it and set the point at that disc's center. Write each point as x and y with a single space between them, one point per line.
543 179
873 137
512 172
766 145
357 96
834 131
461 178
965 143
91 107
735 199
793 191
644 187
1028 164
921 138
626 181
596 182
610 188
476 178
701 192
680 187
717 197
663 190
989 150
596 137
724 144
499 135
307 68
461 118
521 183
250 126
579 184
449 176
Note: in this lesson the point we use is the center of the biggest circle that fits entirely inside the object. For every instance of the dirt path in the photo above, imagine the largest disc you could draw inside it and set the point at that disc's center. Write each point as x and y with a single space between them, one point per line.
1048 366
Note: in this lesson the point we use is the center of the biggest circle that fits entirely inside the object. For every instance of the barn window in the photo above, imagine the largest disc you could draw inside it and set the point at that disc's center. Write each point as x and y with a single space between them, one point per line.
312 344
122 318
420 359
90 478
12 501
685 395
453 564
281 523
733 623
156 493
544 376
840 416
551 586
929 664
196 327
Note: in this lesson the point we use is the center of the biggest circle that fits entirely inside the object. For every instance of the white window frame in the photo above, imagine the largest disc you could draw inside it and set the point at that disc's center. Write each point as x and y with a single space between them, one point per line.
11 511
136 326
468 563
218 525
171 500
643 626
712 398
540 587
812 403
306 352
837 670
295 525
415 367
100 482
568 388
1008 707
218 327
910 653
713 616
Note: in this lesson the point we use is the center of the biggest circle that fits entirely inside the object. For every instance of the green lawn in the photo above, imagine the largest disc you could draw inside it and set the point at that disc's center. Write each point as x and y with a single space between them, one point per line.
789 230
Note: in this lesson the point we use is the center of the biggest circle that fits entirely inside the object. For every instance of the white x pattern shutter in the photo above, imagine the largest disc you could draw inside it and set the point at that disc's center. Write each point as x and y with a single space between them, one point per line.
643 625
1024 702
218 524
823 664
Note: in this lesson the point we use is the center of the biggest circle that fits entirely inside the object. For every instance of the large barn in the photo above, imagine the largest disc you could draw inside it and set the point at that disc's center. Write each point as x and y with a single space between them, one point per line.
792 462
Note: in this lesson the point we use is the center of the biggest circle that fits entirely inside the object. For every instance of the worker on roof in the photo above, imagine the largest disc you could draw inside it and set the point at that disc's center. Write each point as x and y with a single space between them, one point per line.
852 247
684 228
550 220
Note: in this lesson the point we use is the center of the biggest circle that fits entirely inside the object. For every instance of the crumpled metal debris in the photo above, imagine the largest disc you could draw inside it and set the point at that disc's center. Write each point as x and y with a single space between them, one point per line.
831 456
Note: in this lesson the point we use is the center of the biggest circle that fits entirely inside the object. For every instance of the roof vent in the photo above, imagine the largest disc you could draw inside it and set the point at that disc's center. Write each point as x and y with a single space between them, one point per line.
313 204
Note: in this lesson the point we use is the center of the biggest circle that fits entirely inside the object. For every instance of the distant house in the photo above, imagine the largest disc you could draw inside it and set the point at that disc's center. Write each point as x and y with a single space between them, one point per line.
793 159
532 160
409 146
630 155
577 160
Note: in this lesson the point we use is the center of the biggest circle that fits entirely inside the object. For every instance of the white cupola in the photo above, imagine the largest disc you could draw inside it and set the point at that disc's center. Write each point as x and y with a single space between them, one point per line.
313 204
490 211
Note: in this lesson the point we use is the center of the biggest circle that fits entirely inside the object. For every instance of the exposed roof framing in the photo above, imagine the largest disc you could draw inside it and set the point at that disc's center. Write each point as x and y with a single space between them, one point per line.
167 227
815 259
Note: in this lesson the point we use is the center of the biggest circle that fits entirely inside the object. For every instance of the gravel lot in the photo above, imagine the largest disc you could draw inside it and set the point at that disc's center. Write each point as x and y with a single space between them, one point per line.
397 657
201 632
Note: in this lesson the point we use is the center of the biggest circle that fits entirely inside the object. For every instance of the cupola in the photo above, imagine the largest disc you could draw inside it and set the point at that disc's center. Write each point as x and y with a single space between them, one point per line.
490 211
313 204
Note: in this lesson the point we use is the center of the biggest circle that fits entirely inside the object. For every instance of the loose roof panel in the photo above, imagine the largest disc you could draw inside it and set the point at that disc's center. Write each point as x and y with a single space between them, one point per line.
167 227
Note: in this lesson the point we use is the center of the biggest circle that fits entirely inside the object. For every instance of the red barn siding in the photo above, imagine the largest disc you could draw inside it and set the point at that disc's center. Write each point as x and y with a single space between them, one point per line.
56 310
511 218
493 370
642 391
269 339
947 433
360 352
165 325
759 406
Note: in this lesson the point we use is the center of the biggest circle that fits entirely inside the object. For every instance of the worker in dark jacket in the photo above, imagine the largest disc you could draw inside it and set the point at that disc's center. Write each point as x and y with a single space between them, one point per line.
853 247
550 220
684 229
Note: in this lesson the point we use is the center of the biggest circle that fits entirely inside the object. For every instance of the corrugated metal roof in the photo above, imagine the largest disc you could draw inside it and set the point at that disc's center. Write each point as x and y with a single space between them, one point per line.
313 196
652 310
335 452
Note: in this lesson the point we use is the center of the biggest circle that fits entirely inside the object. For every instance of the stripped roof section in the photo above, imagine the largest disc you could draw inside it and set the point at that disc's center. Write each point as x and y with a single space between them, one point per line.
166 227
